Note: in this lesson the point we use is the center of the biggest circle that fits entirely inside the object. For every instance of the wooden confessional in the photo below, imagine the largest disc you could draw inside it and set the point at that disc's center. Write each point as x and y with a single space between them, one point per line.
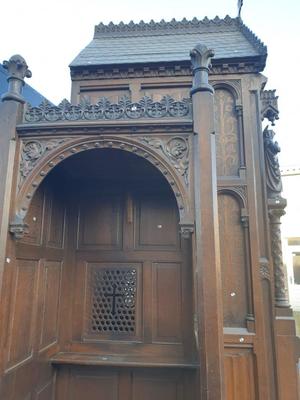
140 252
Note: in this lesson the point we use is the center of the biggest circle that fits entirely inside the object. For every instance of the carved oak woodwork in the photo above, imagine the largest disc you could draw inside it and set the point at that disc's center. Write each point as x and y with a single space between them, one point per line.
125 261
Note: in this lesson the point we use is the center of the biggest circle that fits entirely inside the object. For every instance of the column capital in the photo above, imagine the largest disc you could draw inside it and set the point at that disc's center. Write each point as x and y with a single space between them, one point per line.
201 59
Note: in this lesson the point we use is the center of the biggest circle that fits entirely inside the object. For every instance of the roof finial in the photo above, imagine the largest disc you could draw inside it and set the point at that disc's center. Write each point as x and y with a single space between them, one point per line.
240 5
17 70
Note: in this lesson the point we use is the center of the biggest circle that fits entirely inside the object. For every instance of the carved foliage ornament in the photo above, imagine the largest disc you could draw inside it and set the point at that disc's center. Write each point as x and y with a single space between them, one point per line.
176 150
281 291
105 110
32 151
17 67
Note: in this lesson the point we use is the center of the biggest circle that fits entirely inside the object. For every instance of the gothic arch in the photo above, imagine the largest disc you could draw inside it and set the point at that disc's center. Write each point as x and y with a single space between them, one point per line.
175 173
231 86
238 193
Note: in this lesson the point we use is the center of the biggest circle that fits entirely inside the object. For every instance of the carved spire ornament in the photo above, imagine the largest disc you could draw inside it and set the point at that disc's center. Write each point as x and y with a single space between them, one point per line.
269 106
201 59
17 70
276 206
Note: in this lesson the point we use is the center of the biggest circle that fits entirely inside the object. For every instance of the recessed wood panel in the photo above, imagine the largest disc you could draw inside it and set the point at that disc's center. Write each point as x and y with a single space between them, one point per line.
157 92
157 385
167 302
93 385
35 219
51 301
157 223
22 312
55 221
240 381
227 139
112 94
233 265
100 221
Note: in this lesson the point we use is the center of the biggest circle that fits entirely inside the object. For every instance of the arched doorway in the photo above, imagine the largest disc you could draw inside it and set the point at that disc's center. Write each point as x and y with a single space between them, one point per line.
114 314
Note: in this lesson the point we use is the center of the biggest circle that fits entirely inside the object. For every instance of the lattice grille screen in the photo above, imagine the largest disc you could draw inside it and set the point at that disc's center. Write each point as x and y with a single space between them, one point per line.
113 300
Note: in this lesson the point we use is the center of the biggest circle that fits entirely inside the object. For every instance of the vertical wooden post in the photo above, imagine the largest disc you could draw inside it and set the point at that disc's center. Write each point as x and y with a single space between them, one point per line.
207 258
10 114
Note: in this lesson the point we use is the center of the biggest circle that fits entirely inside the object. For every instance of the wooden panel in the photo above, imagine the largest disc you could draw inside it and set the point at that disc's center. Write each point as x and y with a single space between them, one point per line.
157 223
233 263
86 383
167 300
157 92
46 392
22 312
227 140
100 223
35 219
51 300
158 385
240 374
114 95
55 222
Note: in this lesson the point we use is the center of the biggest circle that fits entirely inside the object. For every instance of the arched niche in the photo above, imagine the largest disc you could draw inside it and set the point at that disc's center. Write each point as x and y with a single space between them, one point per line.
169 157
229 141
97 216
236 284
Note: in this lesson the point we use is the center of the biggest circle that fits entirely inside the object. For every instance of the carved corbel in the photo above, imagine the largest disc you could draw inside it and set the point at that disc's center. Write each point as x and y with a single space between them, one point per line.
18 228
17 71
269 106
201 59
186 230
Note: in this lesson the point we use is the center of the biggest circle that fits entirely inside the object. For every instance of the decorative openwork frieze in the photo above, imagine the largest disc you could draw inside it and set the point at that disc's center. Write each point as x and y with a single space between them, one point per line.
105 110
33 150
269 105
176 150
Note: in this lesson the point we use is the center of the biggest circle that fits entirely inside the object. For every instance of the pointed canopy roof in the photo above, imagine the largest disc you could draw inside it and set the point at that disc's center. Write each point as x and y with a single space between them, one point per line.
165 42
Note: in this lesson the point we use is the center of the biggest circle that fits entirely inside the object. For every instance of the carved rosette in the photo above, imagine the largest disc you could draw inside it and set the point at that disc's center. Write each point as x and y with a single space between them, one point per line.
32 151
176 149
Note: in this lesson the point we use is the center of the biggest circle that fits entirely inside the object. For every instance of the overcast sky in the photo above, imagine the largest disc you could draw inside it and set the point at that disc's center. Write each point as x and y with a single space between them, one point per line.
49 34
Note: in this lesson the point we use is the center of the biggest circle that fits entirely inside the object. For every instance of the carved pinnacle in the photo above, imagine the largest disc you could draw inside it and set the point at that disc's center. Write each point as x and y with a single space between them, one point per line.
17 70
201 59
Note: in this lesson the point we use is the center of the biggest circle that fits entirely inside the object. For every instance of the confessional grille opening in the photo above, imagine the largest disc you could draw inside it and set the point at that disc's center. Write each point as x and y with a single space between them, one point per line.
113 300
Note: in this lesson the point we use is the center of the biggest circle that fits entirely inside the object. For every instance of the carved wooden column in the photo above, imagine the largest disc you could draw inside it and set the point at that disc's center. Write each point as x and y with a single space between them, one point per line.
10 114
208 315
276 205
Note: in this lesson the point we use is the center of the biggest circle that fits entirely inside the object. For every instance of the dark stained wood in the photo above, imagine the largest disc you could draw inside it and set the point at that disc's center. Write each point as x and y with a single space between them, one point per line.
107 210
233 264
